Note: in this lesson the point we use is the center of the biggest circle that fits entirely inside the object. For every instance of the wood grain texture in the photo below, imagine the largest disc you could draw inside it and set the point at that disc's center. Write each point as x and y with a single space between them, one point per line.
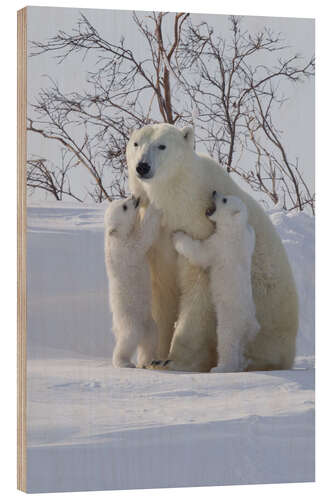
21 246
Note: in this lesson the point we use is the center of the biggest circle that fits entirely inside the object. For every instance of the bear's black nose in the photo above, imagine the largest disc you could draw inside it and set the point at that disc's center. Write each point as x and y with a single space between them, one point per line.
143 168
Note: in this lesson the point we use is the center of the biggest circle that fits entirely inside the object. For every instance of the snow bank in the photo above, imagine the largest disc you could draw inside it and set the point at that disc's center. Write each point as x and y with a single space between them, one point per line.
297 232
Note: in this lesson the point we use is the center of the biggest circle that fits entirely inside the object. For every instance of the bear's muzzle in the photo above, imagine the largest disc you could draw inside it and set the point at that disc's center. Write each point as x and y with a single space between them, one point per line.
143 169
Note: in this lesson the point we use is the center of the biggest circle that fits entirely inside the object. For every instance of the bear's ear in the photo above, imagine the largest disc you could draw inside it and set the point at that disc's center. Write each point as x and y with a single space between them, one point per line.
131 132
188 134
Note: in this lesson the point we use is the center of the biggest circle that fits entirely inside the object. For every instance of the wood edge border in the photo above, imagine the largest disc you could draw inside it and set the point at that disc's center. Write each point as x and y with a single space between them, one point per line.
21 249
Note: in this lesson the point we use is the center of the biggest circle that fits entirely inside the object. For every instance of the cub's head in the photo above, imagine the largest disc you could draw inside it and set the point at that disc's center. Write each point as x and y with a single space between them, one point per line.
121 216
227 210
155 153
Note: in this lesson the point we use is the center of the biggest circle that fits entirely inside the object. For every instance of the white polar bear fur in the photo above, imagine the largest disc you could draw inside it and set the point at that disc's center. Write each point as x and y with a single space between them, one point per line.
126 245
180 184
227 253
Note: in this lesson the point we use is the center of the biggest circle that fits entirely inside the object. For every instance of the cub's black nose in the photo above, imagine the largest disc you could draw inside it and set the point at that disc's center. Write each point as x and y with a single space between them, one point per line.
143 168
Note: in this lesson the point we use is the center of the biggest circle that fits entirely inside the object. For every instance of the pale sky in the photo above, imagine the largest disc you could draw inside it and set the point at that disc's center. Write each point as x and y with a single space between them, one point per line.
296 118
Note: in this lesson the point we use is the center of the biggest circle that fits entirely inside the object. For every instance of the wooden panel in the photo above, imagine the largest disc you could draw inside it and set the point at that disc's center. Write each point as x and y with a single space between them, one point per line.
21 244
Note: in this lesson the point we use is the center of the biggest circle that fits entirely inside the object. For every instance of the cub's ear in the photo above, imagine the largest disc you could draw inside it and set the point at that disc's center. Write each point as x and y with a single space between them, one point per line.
188 134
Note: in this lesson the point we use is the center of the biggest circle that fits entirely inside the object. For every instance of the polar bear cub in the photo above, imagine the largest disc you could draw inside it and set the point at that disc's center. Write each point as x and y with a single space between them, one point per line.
228 255
127 241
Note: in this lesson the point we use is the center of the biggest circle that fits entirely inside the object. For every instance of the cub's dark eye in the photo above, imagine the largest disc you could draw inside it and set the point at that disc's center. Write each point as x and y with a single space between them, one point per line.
136 144
224 200
124 208
161 146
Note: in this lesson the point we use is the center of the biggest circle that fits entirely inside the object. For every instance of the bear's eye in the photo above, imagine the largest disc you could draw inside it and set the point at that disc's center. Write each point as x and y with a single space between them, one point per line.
124 208
135 144
224 200
161 146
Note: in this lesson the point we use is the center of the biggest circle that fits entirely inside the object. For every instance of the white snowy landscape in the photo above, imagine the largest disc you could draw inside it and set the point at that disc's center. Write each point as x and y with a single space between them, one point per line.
91 426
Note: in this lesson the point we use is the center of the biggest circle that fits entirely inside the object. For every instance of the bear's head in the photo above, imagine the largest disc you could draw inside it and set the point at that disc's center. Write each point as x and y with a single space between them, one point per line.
227 210
121 216
156 152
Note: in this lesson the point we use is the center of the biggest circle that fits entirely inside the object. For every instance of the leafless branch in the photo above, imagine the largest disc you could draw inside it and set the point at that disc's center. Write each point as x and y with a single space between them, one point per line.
54 179
233 80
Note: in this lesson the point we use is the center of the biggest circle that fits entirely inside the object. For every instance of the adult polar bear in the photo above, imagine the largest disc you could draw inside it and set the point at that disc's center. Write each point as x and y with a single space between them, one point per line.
165 170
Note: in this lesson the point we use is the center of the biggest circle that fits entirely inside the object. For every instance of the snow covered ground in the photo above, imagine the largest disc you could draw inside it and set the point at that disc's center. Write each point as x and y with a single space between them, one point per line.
91 426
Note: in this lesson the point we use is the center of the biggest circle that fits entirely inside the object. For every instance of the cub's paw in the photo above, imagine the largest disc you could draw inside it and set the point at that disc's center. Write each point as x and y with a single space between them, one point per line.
127 364
122 362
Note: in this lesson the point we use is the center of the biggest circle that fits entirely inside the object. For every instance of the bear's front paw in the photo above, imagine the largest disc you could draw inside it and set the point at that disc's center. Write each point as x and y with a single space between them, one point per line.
158 364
